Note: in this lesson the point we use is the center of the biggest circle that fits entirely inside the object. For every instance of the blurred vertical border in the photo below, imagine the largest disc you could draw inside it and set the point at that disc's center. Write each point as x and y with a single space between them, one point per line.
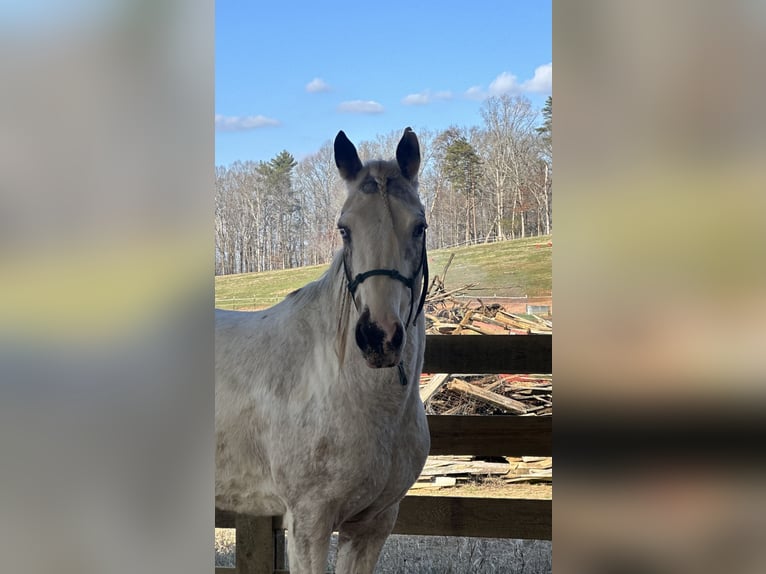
660 282
106 286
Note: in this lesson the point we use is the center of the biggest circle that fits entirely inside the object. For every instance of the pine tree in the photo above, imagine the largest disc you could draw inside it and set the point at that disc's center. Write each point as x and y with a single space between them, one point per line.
462 168
546 130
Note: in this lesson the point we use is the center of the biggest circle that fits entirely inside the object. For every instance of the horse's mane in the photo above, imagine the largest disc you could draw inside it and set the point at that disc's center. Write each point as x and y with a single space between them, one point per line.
343 303
332 279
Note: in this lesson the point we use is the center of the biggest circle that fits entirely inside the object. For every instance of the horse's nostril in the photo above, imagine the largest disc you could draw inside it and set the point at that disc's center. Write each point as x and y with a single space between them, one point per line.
396 340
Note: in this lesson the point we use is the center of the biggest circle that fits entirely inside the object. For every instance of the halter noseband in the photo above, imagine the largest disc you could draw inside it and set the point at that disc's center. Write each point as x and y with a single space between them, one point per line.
394 274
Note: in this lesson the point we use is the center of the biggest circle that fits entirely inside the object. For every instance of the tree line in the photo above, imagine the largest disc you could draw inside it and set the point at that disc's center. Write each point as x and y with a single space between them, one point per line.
478 184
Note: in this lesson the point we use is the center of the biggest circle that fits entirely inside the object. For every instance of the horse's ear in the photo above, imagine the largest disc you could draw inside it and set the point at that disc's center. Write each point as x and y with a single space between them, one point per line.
346 158
408 154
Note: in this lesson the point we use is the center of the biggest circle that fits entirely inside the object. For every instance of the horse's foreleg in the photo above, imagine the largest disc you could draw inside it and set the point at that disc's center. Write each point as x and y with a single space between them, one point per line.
360 543
308 541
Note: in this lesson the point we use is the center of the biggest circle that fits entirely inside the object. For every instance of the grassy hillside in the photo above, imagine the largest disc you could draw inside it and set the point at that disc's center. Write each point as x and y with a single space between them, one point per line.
507 269
510 268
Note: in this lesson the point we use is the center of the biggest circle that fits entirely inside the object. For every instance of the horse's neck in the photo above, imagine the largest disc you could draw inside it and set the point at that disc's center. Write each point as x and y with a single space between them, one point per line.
320 305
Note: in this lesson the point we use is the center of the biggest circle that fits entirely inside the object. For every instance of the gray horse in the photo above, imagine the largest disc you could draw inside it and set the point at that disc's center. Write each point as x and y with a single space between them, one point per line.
317 410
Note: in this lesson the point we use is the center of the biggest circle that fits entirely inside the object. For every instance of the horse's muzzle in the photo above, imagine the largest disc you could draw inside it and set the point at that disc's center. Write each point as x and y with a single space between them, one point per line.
381 345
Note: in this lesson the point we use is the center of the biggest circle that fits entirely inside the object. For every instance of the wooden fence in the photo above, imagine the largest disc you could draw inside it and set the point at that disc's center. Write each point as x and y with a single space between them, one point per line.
260 551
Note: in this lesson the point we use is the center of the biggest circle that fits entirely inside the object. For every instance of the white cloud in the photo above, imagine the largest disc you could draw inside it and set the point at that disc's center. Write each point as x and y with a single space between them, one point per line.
505 83
242 123
542 82
420 99
317 85
475 93
361 107
425 97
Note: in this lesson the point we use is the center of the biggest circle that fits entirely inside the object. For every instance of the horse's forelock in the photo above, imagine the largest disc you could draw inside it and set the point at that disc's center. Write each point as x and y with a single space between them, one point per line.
379 176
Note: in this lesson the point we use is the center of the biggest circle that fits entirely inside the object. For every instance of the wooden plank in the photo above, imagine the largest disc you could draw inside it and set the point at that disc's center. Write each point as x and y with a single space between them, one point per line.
499 435
227 519
481 517
509 354
488 397
432 386
511 318
463 322
465 516
475 467
254 544
444 481
484 329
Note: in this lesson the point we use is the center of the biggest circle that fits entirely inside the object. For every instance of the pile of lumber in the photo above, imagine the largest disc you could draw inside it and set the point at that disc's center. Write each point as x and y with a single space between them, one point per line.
448 394
447 315
471 319
445 471
462 394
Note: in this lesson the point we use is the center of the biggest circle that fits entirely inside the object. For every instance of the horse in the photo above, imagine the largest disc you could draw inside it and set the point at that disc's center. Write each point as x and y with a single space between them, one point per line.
317 409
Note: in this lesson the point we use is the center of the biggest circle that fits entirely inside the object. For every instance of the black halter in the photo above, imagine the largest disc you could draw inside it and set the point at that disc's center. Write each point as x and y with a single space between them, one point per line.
394 274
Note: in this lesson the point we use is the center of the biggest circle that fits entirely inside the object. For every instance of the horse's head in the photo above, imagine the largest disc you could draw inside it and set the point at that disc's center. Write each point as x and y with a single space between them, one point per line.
384 249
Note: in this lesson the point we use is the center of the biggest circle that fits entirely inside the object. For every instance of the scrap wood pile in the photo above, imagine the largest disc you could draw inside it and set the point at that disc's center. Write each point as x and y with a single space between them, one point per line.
475 394
457 394
447 394
524 395
441 471
471 318
446 315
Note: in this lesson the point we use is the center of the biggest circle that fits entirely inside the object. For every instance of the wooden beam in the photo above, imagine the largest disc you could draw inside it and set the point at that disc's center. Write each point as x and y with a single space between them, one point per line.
224 519
227 519
465 516
512 354
482 517
498 435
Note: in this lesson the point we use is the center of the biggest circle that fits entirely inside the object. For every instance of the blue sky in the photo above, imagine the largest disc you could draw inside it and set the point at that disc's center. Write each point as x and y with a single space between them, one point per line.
289 75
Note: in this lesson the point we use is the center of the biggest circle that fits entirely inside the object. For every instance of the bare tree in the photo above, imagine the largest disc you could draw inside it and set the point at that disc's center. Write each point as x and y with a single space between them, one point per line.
317 182
509 123
476 183
235 213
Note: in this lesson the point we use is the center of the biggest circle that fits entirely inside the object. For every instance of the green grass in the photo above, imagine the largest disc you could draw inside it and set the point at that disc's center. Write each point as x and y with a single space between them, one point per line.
262 289
506 269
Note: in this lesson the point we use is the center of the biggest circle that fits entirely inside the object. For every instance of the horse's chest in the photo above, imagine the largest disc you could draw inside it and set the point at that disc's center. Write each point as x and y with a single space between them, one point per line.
333 451
340 457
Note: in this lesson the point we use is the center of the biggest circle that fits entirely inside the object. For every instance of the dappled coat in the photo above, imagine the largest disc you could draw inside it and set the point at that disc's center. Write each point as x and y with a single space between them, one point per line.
318 415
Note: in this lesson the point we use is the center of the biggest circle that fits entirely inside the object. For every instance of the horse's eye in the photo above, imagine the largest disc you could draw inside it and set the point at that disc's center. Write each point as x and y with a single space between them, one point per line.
419 229
344 233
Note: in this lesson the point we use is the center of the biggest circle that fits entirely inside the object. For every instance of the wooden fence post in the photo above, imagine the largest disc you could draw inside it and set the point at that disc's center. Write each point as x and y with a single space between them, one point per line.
255 544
